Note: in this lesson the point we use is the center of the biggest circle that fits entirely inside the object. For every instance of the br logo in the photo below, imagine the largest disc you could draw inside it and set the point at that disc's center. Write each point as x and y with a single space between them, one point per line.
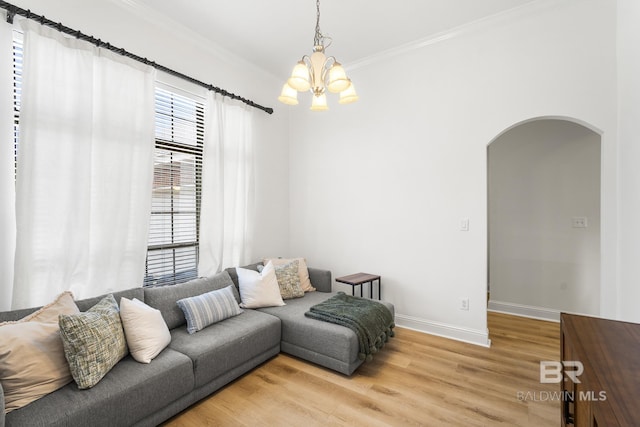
552 371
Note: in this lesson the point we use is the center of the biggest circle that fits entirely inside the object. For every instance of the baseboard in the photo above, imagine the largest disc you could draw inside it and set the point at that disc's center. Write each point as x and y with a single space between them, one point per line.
525 310
472 336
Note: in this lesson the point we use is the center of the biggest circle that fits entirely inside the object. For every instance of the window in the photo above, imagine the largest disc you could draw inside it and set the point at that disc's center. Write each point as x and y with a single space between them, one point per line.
172 254
173 233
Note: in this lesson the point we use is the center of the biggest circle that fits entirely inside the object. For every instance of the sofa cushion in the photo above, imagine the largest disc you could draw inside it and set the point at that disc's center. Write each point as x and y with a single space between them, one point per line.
225 345
330 340
320 279
165 298
147 334
128 393
87 303
209 308
93 341
32 362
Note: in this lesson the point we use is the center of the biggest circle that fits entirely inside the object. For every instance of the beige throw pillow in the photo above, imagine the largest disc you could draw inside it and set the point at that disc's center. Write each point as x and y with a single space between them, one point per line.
32 362
303 271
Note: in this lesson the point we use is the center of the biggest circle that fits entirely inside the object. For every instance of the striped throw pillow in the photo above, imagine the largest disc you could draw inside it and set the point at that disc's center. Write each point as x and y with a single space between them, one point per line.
207 309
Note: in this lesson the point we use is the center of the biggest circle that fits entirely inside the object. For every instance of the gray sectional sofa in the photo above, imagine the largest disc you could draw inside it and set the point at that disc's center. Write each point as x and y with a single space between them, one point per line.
192 366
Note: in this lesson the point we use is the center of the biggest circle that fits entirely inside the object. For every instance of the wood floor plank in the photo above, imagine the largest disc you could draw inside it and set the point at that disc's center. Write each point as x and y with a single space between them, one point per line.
415 380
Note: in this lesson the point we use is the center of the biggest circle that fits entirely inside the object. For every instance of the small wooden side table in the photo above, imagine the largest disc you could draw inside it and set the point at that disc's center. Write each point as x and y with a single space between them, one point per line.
359 279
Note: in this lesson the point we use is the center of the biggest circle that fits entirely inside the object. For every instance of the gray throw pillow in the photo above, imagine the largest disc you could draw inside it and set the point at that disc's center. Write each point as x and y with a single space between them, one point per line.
93 341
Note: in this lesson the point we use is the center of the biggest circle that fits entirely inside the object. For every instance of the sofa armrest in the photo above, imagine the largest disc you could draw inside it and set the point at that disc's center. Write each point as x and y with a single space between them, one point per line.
320 279
1 406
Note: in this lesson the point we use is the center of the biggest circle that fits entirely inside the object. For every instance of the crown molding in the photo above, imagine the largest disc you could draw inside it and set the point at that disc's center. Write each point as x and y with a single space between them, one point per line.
461 30
156 18
152 16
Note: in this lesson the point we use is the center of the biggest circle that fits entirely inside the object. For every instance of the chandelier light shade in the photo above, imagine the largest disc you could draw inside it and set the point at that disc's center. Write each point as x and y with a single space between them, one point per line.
319 102
289 95
318 74
347 96
299 79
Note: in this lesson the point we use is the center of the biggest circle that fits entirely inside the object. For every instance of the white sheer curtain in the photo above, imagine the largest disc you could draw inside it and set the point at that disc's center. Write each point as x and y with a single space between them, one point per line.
85 169
7 186
227 209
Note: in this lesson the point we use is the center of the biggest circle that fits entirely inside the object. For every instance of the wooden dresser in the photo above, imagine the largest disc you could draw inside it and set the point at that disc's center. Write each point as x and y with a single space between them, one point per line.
608 393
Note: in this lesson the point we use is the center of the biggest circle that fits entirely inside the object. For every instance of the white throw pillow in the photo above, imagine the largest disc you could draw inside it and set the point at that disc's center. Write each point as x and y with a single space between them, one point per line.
146 331
259 289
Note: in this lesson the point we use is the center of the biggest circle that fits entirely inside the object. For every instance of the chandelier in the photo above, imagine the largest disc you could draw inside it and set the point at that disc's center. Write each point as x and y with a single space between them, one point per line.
317 74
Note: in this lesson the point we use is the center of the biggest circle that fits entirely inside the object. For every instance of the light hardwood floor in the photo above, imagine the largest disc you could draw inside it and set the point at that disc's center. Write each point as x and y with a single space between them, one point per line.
416 380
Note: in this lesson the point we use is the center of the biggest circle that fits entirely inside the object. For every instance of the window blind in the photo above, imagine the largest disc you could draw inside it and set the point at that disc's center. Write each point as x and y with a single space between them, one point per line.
172 253
17 91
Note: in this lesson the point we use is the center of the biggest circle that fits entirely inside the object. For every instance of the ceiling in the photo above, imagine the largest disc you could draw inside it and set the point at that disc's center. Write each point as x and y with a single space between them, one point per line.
275 34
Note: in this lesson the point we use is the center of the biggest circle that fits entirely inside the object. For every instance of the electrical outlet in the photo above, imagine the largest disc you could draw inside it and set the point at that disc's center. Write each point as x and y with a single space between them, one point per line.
464 304
579 222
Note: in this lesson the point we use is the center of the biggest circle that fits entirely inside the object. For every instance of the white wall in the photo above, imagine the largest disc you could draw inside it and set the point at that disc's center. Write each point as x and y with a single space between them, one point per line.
152 36
542 174
381 185
629 111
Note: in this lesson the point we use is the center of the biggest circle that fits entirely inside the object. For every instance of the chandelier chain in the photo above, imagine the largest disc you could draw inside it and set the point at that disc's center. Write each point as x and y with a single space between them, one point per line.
317 40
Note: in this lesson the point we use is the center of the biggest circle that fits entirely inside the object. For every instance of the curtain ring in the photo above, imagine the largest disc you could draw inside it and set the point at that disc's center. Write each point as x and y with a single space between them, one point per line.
11 12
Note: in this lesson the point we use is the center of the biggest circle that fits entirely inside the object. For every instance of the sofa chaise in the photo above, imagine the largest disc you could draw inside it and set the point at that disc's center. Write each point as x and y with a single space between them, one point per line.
192 366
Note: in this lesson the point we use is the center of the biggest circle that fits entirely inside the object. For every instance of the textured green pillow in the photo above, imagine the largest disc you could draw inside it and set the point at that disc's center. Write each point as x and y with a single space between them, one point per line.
289 280
93 341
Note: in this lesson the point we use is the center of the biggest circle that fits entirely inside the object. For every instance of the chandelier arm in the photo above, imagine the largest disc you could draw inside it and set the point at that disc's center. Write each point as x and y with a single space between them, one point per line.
307 61
325 69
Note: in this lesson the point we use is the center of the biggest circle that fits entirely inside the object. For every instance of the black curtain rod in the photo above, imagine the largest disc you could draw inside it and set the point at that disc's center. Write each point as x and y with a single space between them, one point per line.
15 10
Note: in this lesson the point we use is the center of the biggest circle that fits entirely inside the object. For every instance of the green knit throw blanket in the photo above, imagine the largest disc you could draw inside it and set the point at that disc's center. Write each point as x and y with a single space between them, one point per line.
370 320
